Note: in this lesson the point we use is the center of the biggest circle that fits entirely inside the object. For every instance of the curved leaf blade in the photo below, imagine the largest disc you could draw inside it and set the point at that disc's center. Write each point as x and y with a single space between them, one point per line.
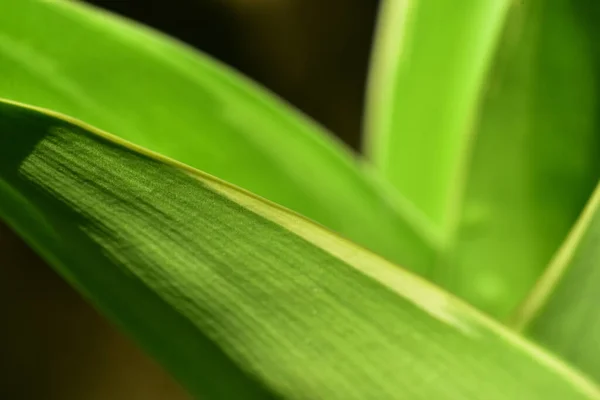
240 298
429 66
159 94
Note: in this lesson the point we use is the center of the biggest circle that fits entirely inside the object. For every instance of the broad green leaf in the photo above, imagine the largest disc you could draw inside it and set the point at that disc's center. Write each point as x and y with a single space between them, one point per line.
157 93
562 310
428 70
240 298
509 163
534 162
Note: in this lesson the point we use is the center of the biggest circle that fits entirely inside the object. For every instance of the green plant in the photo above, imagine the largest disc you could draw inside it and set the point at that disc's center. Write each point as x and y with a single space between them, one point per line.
483 158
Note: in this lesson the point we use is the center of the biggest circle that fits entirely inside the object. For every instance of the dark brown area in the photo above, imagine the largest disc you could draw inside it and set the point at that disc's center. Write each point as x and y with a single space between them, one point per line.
54 345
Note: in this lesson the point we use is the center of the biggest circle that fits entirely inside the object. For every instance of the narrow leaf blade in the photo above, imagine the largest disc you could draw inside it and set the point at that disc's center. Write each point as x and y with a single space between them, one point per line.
429 66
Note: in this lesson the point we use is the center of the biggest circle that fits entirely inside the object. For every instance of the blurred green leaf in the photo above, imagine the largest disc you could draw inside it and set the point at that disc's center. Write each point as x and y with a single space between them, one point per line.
240 298
505 166
159 94
562 311
535 159
429 65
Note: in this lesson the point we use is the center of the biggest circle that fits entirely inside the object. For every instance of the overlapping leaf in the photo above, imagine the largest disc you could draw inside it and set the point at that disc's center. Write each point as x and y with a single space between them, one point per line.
505 176
159 94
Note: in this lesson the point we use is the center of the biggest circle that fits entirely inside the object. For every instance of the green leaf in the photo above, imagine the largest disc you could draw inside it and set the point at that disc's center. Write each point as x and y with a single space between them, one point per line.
240 298
429 66
535 160
508 164
159 94
562 310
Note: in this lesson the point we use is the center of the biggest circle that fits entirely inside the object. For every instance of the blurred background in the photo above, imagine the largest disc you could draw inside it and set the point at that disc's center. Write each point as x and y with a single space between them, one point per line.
313 53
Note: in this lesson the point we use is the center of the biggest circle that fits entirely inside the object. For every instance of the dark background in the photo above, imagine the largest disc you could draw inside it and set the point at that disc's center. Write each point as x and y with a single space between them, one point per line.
313 53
